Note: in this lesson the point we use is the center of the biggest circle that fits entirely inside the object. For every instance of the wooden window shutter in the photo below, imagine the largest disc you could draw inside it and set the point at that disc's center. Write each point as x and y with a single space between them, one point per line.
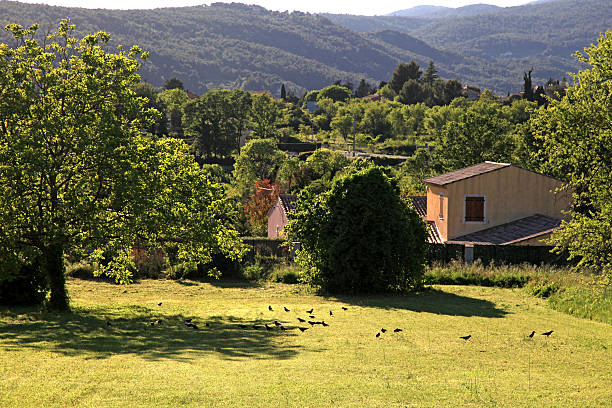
474 209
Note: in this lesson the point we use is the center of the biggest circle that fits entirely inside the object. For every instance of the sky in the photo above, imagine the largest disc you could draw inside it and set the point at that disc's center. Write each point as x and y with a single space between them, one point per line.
370 8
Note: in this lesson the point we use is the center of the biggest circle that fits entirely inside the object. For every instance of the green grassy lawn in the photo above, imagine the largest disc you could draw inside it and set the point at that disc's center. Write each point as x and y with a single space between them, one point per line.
76 360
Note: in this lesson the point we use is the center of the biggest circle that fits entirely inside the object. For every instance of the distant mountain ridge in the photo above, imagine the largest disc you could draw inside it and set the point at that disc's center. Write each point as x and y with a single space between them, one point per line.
241 46
542 35
441 11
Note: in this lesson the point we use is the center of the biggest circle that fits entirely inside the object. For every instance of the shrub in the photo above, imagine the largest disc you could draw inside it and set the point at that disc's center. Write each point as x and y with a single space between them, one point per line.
181 270
252 272
28 287
359 236
149 264
81 269
458 273
285 274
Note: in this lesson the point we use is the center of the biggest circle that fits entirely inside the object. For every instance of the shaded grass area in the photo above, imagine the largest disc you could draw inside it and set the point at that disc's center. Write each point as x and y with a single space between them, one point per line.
567 290
100 333
76 359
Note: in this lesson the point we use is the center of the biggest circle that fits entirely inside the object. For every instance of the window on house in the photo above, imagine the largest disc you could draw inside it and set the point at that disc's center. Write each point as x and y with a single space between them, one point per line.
474 209
441 206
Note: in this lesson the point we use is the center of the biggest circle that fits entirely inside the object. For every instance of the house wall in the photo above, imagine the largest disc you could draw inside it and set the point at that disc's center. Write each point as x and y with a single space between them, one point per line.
510 193
276 221
433 209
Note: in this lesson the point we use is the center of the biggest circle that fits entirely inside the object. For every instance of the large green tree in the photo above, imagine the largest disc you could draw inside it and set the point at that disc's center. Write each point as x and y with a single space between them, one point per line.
403 72
215 122
359 236
480 133
77 173
264 117
259 159
171 101
572 140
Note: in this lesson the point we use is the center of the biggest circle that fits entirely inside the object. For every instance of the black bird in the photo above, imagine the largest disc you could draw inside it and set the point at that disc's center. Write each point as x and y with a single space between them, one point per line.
188 320
397 330
243 326
344 308
301 320
330 313
159 304
311 323
207 324
276 323
310 311
283 328
466 337
152 323
548 333
270 308
532 333
193 326
311 316
303 329
383 330
378 335
268 327
108 323
286 310
324 324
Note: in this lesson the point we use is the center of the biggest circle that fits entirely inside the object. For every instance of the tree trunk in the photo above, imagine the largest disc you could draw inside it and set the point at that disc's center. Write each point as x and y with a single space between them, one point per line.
54 264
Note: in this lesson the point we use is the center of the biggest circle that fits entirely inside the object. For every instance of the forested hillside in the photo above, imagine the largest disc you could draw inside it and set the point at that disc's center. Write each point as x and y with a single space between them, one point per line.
234 45
249 47
440 11
512 39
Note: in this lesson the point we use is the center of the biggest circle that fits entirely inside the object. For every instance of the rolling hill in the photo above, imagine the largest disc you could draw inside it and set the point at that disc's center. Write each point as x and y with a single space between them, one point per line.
440 11
235 45
542 35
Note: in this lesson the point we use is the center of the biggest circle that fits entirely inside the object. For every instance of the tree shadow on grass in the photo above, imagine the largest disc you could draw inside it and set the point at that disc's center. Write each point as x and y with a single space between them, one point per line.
86 333
431 301
233 284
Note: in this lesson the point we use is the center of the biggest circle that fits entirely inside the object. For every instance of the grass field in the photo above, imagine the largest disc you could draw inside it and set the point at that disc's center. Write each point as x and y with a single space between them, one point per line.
77 360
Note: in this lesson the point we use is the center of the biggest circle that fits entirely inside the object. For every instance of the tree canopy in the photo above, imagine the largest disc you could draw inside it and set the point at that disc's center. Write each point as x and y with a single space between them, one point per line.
78 176
359 236
572 139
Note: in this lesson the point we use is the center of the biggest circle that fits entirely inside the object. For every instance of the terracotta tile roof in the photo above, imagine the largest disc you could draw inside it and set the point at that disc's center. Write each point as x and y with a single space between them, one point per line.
287 202
512 232
433 235
467 172
419 204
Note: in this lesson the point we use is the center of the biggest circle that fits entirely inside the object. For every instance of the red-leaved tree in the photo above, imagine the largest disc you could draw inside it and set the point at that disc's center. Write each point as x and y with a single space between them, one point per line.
256 209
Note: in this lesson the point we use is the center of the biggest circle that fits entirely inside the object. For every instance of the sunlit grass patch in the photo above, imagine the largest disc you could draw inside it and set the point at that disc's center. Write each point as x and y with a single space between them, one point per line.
77 359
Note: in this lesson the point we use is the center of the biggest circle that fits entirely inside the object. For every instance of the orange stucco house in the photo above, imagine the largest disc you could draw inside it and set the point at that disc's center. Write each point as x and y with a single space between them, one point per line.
277 215
492 203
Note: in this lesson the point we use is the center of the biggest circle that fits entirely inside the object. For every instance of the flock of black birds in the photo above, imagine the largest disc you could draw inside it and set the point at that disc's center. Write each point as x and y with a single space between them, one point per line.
189 323
312 323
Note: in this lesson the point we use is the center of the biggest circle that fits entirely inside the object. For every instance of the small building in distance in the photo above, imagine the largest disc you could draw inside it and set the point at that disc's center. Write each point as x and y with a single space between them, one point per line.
492 203
277 216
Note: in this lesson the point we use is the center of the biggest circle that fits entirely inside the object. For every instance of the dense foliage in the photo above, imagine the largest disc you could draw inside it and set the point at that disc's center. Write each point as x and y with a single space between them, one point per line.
78 176
248 47
500 44
572 139
359 236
